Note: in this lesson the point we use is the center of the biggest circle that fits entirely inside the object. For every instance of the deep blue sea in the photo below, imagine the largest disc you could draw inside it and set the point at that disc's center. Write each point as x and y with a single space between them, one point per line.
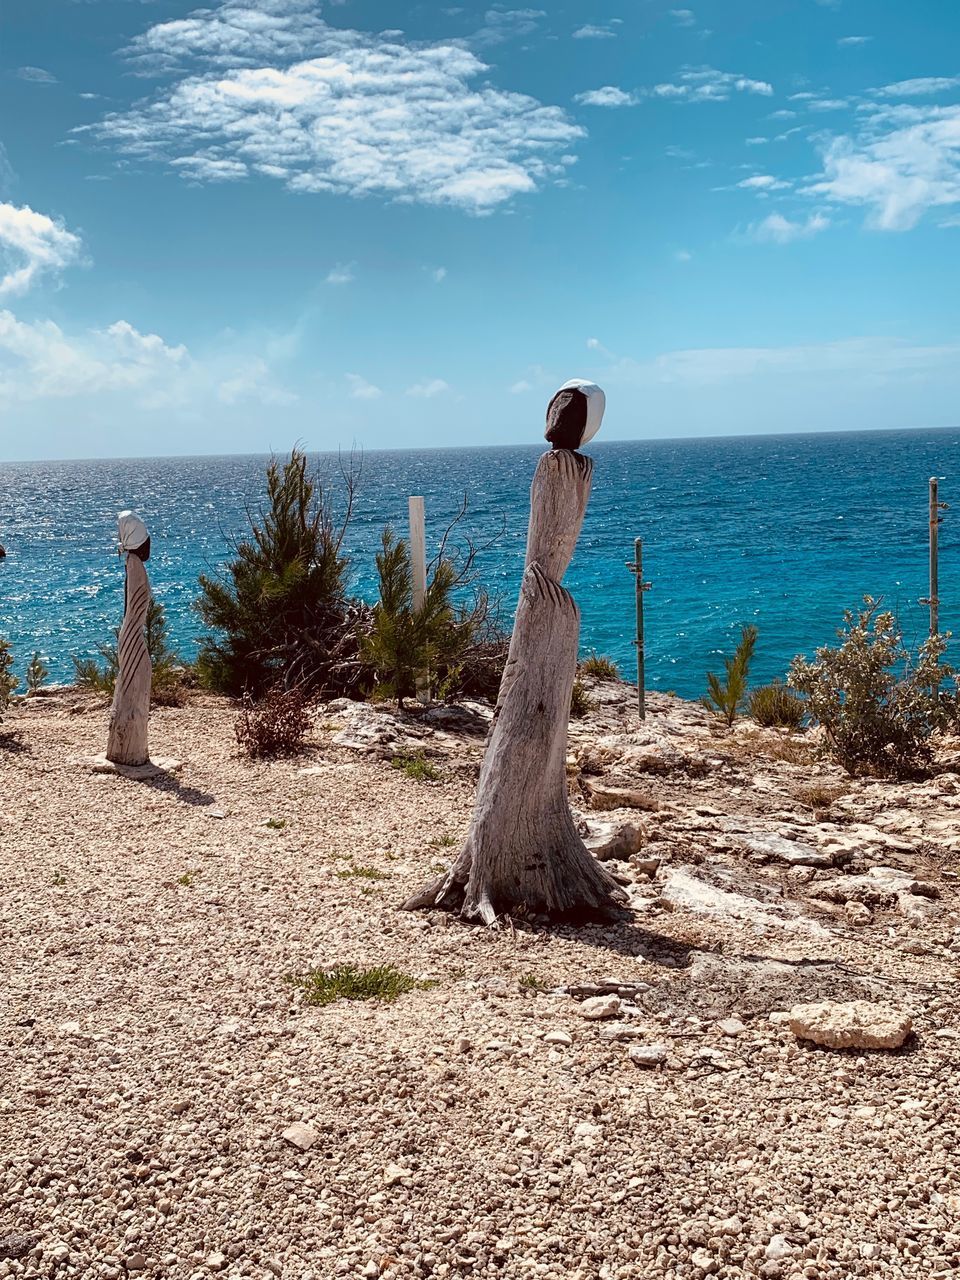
782 531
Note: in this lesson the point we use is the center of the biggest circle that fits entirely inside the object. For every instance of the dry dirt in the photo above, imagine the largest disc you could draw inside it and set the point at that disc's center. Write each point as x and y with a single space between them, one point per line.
152 1054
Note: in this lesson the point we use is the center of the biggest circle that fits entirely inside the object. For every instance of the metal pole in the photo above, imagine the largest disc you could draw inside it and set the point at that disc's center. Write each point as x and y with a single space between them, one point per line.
934 549
636 568
418 572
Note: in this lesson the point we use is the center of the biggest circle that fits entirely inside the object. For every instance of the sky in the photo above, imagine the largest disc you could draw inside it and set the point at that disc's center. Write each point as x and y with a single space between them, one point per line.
229 228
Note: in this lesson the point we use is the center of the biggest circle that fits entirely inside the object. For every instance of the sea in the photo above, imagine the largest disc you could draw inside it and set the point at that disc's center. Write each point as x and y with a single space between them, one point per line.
783 531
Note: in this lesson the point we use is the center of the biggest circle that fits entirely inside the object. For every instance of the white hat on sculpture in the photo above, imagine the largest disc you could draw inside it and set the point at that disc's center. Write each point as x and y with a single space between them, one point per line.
575 413
132 531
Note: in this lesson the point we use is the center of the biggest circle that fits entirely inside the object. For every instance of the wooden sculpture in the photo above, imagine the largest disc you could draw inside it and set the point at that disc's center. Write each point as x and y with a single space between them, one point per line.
130 714
523 853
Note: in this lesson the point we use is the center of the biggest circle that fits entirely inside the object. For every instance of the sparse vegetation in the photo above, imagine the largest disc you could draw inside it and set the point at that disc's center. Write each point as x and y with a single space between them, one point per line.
169 679
274 726
186 879
37 673
415 765
775 706
8 681
346 982
599 666
530 982
726 695
362 873
275 824
442 842
819 795
877 701
580 701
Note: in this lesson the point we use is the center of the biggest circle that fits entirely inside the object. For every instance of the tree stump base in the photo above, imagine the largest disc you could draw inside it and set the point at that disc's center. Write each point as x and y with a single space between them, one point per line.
159 768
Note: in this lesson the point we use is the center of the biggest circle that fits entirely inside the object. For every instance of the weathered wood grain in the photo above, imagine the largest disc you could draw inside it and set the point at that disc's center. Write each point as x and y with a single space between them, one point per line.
127 738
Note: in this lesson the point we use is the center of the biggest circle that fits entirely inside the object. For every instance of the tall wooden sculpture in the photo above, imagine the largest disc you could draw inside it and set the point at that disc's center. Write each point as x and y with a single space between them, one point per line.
129 717
523 853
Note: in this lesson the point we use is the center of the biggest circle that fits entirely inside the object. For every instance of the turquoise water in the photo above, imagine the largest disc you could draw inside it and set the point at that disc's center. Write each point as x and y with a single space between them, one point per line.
783 531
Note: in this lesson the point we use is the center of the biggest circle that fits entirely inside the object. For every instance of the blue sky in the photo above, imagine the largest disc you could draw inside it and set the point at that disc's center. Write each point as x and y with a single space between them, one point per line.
223 229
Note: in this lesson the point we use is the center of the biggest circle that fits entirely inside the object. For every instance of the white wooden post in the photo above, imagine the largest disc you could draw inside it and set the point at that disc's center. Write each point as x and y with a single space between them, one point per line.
418 566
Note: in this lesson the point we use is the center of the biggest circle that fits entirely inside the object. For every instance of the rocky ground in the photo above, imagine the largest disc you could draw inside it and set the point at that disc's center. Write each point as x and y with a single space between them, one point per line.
608 1102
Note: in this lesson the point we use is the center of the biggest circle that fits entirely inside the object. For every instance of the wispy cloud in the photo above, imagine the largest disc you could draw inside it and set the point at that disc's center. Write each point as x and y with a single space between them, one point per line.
684 17
521 388
776 229
36 75
920 87
853 40
427 389
342 273
438 274
901 163
593 31
361 389
500 25
273 90
32 244
706 84
763 182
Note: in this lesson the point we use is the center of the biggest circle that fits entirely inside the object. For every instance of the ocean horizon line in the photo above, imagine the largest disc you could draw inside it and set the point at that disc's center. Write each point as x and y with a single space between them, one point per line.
486 448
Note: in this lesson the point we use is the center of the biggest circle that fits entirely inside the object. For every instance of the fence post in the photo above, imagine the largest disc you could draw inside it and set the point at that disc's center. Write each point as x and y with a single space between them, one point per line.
418 571
636 568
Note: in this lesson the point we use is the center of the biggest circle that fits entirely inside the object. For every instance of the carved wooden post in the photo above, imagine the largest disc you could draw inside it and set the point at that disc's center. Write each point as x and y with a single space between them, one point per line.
130 714
523 853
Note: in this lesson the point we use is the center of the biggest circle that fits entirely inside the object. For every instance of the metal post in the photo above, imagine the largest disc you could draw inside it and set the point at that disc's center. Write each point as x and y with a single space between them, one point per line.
418 571
934 549
636 568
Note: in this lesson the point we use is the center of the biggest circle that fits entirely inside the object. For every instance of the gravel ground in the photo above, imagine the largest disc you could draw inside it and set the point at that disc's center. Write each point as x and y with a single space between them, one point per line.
152 1055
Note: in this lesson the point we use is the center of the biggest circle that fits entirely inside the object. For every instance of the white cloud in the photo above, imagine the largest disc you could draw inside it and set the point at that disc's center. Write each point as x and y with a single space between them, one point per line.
272 90
756 142
763 182
706 84
903 162
36 75
39 361
439 274
342 273
32 244
428 389
921 87
684 17
500 25
360 389
776 229
591 31
520 388
253 382
607 96
683 255
853 40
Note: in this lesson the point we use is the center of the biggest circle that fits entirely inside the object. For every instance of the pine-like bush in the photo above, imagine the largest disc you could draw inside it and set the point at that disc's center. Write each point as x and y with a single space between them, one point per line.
8 681
279 613
726 695
453 644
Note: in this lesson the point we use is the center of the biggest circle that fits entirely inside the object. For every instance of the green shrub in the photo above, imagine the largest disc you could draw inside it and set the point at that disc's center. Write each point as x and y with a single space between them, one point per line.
279 613
8 681
725 696
347 982
774 706
37 672
274 726
170 676
455 646
599 666
877 701
580 702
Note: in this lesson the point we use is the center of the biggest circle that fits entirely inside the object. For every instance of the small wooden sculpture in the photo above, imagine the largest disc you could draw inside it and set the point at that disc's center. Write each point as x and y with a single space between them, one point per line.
130 714
523 853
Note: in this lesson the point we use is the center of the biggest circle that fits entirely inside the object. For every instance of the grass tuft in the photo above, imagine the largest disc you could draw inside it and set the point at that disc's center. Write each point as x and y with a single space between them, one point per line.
362 873
346 982
599 666
416 766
